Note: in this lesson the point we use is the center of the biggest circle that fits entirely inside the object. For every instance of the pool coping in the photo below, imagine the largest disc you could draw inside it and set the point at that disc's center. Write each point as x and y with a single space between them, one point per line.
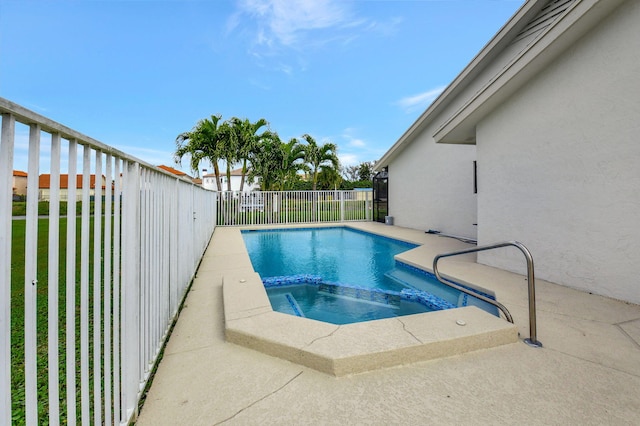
341 350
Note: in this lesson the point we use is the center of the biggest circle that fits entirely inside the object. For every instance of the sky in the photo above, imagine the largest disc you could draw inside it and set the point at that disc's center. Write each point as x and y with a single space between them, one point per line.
134 74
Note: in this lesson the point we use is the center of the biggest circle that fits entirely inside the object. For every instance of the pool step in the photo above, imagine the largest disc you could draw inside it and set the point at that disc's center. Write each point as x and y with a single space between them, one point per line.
466 300
422 282
431 285
373 295
286 304
294 305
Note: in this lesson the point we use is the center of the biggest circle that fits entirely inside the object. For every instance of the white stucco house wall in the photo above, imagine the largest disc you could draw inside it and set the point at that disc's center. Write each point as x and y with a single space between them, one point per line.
209 181
19 182
550 111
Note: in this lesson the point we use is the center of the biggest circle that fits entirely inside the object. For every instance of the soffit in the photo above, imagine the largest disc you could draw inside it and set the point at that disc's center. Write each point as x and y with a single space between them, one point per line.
578 18
482 60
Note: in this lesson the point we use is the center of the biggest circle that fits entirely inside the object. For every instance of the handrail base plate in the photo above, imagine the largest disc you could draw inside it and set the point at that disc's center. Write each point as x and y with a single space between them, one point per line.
536 344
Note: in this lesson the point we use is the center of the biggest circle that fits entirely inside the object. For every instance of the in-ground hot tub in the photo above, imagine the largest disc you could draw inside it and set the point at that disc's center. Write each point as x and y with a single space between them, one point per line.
340 350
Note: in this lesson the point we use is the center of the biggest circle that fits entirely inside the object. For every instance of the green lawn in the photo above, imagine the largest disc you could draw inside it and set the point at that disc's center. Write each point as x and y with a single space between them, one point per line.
323 211
20 208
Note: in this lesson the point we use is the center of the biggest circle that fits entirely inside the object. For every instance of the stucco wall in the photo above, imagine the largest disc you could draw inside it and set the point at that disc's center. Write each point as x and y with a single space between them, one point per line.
431 187
20 185
559 165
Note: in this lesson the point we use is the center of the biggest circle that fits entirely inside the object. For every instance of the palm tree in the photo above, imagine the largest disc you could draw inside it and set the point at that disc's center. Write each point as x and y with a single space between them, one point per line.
247 139
203 142
319 156
329 178
228 148
266 159
292 162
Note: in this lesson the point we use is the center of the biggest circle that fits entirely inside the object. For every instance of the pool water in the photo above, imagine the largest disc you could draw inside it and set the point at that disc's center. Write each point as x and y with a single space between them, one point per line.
312 302
336 254
341 276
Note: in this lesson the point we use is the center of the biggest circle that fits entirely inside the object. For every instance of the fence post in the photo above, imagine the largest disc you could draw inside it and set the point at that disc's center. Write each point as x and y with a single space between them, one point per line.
70 291
97 289
108 215
6 185
117 263
174 248
85 397
53 272
30 279
130 290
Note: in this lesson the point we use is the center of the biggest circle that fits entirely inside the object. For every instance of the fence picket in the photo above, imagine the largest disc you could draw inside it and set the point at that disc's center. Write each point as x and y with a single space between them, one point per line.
236 208
169 229
54 235
6 184
70 312
31 280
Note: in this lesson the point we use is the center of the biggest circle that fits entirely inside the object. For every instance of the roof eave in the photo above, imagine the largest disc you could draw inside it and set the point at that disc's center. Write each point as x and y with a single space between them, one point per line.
578 19
502 38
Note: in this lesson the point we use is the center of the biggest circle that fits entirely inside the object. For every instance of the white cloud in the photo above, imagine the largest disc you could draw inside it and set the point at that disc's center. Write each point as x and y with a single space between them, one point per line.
353 141
358 143
420 101
348 159
287 69
259 84
277 27
285 21
387 28
354 150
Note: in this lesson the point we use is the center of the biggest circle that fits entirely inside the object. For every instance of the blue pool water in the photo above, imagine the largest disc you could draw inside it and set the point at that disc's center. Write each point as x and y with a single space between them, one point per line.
315 302
340 275
336 254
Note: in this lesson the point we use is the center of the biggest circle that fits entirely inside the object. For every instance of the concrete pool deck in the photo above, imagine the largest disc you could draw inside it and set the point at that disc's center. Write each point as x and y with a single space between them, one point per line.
588 371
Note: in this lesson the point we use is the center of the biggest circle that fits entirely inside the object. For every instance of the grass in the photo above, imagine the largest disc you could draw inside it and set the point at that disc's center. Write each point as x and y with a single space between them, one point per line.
18 318
323 211
20 208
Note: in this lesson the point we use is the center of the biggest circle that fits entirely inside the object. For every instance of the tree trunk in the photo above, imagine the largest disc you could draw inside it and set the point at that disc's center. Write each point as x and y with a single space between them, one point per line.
244 172
216 170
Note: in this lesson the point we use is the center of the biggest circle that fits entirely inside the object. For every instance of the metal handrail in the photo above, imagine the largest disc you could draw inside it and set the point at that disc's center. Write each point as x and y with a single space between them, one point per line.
532 340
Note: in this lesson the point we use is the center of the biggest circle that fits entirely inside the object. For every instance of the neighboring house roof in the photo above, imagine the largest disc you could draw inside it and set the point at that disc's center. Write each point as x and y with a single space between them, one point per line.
44 181
178 173
19 173
172 170
537 34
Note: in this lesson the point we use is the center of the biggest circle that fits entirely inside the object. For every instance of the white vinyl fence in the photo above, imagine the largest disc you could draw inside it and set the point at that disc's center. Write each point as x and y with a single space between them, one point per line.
283 207
87 296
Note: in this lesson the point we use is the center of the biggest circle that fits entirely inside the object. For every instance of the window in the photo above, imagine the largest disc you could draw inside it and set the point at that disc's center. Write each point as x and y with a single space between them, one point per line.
475 177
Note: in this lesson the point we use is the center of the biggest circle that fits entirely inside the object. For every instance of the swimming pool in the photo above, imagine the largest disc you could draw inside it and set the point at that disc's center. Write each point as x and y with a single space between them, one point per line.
340 275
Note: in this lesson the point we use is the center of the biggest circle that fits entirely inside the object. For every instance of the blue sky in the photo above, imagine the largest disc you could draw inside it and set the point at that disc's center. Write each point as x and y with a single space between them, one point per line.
134 74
